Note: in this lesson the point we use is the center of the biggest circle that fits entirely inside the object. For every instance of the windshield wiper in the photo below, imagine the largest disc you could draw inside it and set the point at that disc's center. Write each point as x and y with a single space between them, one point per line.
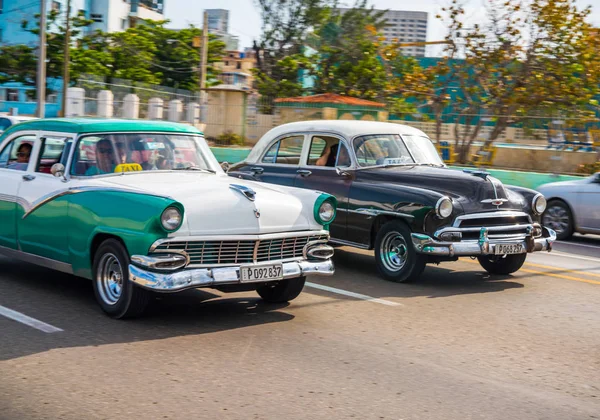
194 168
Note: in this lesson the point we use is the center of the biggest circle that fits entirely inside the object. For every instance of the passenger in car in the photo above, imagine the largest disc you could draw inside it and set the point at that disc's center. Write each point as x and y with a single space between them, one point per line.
328 156
23 154
105 159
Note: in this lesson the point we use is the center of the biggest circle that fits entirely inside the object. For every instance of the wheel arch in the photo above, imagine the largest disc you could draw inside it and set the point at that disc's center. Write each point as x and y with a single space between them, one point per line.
380 221
567 202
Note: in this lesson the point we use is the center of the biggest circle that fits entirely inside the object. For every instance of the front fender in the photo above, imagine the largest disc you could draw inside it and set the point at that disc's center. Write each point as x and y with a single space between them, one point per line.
132 217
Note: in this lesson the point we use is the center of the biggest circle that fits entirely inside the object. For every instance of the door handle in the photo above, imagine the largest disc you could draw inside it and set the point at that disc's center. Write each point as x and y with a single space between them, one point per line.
304 172
28 177
257 170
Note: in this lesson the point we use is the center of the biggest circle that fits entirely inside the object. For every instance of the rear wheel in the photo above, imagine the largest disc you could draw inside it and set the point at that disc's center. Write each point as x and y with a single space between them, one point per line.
559 218
116 295
395 256
282 291
502 265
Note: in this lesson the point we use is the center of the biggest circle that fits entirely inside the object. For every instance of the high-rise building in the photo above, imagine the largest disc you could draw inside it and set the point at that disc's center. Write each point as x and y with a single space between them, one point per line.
218 20
108 15
403 27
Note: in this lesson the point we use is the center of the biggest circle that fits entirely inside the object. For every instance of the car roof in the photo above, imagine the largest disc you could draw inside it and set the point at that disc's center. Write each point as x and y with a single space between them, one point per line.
101 125
345 128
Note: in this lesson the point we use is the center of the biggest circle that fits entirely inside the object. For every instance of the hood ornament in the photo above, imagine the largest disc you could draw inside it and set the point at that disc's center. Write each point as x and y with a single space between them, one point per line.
247 192
494 201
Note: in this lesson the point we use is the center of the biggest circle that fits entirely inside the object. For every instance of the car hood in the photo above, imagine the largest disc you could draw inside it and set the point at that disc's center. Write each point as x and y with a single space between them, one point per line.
213 207
473 190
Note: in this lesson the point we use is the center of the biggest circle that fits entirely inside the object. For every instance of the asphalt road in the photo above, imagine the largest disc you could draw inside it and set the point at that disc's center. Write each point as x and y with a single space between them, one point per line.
458 345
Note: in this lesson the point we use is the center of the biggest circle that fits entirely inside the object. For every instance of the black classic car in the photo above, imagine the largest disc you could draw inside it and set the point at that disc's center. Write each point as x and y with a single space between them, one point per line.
396 196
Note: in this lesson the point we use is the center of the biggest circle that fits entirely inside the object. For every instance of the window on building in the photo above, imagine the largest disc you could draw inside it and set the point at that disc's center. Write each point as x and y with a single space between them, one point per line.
12 95
56 6
123 24
1 6
96 17
238 65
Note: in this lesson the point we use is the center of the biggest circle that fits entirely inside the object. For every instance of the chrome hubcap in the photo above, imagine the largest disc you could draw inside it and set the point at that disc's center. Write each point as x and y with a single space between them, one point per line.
394 251
556 218
109 279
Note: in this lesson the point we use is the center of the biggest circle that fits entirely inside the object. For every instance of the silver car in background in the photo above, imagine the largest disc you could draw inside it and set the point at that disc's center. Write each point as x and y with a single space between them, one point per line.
573 206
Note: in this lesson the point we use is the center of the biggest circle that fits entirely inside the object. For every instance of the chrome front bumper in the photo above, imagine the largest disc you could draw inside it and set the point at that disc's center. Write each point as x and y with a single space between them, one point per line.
176 281
427 245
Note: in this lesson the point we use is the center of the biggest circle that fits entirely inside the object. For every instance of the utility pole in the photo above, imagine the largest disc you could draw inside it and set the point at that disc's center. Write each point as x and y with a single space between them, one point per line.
67 59
41 71
203 67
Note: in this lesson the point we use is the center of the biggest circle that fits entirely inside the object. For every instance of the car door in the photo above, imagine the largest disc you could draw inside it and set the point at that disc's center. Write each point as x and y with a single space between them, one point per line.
12 169
43 229
279 165
589 204
318 172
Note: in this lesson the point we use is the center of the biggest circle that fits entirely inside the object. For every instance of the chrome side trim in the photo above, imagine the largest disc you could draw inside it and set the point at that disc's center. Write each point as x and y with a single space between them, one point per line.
374 213
81 189
37 260
348 243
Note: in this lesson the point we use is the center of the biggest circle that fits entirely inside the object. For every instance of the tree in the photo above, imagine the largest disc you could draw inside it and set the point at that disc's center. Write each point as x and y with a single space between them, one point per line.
534 56
281 59
348 61
18 63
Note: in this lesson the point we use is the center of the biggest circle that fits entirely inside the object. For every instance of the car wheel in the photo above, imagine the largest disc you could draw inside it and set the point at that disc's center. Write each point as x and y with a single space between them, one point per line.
502 265
395 256
282 291
117 296
559 218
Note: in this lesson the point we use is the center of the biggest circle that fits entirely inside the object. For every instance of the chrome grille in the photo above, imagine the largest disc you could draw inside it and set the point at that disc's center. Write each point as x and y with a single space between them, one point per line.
501 225
233 252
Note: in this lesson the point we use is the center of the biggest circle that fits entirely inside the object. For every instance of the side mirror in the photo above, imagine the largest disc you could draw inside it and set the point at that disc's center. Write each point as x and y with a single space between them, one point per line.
345 172
225 166
58 170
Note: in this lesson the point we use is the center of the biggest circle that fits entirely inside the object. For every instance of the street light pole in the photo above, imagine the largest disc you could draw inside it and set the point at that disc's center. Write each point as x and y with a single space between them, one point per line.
203 66
41 70
67 58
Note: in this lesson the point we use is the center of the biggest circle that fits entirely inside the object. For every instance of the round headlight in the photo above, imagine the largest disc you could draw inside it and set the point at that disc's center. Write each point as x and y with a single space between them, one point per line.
539 204
444 207
326 212
171 218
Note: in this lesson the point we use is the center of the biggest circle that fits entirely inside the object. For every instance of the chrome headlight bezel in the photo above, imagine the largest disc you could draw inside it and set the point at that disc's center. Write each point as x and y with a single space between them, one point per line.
171 219
444 207
539 204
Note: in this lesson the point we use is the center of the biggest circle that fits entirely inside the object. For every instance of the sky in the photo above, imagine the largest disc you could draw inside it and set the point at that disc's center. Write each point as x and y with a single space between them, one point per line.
245 22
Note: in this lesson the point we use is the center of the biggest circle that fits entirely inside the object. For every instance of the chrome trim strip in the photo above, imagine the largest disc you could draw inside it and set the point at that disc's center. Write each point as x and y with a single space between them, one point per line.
477 229
311 244
82 189
374 213
348 243
180 259
37 260
197 278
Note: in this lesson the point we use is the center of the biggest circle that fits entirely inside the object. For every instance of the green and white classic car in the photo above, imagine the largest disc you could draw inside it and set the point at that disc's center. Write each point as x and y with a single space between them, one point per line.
141 207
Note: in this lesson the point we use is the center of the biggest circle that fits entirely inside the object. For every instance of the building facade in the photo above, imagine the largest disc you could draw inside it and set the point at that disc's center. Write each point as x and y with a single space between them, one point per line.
108 16
404 27
218 20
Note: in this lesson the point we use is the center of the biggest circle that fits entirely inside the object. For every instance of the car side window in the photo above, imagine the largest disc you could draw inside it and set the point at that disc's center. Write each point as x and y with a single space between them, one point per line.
51 152
15 155
328 151
285 151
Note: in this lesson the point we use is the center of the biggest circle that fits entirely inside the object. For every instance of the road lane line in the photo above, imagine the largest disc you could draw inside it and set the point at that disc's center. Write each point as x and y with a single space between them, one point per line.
27 320
577 257
560 276
576 244
545 273
352 294
583 273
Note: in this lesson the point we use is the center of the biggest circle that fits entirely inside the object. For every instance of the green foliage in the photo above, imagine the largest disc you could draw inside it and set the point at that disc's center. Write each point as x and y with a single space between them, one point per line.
589 168
18 63
230 138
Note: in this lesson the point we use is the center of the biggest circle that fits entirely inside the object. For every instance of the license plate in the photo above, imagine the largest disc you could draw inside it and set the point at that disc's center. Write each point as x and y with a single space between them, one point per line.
504 249
261 273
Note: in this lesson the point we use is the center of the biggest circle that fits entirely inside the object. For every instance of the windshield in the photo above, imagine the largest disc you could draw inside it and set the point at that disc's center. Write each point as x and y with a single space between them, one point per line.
391 149
135 152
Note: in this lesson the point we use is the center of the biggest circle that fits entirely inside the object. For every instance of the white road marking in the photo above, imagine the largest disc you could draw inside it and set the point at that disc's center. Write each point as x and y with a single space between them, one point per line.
27 320
352 294
568 255
574 244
